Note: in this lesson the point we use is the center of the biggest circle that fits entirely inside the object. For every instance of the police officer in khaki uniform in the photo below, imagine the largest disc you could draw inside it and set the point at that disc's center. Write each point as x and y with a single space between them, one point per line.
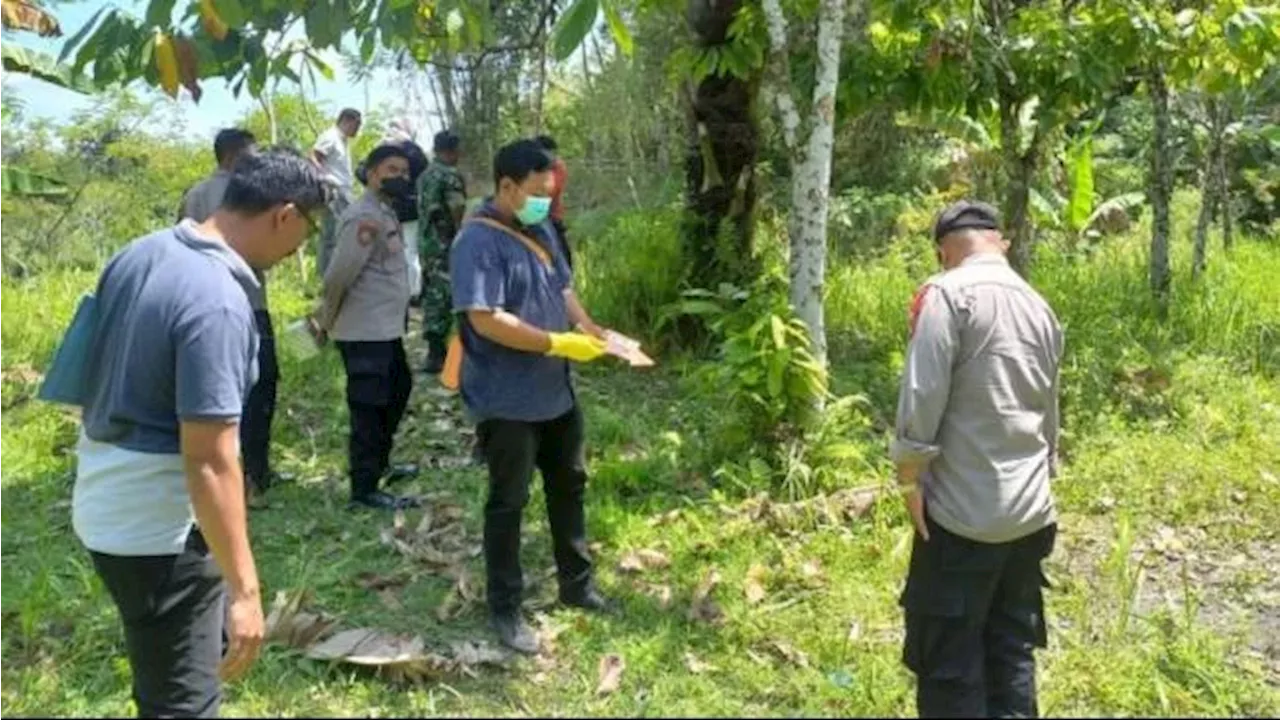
366 301
975 447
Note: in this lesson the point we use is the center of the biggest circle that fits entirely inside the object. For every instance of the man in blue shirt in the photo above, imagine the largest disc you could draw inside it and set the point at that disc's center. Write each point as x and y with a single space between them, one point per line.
174 355
513 290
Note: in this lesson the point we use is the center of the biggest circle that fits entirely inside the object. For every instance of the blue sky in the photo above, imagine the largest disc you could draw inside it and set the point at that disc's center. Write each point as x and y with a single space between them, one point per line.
218 107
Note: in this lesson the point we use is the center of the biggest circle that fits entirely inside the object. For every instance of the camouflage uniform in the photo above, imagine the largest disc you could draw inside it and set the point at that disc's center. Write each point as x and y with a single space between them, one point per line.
441 193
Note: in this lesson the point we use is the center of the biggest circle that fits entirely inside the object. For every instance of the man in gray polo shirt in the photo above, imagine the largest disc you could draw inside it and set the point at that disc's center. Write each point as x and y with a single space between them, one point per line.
174 352
976 447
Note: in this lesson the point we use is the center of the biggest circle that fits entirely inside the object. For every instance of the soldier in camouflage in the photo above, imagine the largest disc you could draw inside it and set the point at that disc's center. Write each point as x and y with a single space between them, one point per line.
442 196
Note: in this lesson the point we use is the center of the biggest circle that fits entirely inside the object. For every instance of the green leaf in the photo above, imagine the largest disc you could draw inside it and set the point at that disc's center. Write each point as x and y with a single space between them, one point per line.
160 13
42 67
80 35
19 181
317 24
89 49
779 331
232 12
1080 206
367 46
320 65
573 26
618 28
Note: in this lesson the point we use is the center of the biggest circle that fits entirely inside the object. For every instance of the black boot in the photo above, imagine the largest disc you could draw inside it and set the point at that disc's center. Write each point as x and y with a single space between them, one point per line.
514 632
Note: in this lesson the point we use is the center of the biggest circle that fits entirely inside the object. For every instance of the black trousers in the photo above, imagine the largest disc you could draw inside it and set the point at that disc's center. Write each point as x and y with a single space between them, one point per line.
974 614
172 609
378 385
512 450
260 407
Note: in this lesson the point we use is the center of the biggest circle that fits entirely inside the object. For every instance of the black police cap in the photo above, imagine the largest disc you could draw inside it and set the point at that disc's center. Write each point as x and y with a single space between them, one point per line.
966 215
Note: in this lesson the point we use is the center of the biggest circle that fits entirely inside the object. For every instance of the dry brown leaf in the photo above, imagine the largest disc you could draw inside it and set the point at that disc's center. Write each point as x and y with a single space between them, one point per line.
645 559
855 631
661 593
397 523
757 658
694 665
470 653
374 581
22 15
811 571
288 625
363 646
450 607
611 667
753 586
703 608
389 598
789 653
424 524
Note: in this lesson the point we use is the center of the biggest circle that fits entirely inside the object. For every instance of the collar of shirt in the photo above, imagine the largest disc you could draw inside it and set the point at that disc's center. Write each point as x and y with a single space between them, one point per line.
187 231
373 199
985 258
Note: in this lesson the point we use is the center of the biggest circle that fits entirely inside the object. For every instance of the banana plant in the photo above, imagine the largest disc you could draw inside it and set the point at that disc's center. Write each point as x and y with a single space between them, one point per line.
19 15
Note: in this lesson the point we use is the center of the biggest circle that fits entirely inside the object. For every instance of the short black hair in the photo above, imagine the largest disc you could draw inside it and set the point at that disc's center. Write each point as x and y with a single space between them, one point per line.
965 215
519 160
231 141
380 154
547 142
263 179
446 141
348 114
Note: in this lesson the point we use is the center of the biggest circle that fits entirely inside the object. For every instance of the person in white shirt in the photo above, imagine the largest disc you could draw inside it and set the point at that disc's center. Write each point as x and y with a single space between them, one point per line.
332 154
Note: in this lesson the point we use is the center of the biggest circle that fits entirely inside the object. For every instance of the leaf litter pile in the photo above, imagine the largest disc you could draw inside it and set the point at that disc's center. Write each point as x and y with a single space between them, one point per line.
438 544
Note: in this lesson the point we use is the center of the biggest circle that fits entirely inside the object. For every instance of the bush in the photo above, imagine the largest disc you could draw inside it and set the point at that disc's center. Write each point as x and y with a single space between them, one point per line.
631 269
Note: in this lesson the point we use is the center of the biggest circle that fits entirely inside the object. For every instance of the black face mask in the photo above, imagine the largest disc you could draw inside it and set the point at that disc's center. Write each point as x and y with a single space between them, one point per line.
397 188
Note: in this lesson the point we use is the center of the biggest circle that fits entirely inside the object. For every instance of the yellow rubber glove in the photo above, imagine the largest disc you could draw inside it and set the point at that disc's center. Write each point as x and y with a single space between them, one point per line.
578 347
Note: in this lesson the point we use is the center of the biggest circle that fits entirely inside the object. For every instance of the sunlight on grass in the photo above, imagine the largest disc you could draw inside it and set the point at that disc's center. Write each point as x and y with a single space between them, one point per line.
1173 456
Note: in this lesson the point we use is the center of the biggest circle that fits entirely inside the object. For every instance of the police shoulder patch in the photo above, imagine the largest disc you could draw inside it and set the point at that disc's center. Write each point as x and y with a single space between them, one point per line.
366 233
917 302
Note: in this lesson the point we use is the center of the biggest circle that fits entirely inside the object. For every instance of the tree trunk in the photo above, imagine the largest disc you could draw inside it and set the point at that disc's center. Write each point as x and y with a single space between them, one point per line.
811 163
1160 186
1019 169
1208 191
720 160
1221 119
444 74
542 76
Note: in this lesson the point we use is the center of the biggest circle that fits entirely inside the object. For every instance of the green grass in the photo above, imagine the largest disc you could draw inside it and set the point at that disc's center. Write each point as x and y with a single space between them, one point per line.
1138 627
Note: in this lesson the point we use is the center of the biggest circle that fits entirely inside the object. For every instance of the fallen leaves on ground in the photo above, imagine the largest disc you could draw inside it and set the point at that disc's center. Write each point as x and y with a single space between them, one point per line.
753 586
406 657
374 581
287 624
638 561
661 593
438 540
611 667
789 653
458 600
696 666
704 608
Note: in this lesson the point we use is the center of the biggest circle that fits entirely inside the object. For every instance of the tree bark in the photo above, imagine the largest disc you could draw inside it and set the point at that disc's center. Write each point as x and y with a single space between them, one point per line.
720 159
1208 191
811 163
1019 169
1222 119
1160 186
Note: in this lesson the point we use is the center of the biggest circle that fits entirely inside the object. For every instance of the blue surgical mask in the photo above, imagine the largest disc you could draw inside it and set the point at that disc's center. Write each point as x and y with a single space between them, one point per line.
534 210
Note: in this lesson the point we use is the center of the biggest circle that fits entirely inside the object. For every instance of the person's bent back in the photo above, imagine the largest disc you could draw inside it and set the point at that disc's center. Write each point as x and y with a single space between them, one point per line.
174 351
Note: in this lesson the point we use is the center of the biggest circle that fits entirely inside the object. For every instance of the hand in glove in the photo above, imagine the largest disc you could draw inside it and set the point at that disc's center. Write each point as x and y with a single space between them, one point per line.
575 346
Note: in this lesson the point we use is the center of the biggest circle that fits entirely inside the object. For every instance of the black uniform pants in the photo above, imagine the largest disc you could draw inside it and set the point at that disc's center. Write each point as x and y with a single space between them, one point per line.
260 407
512 450
378 387
974 614
172 609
